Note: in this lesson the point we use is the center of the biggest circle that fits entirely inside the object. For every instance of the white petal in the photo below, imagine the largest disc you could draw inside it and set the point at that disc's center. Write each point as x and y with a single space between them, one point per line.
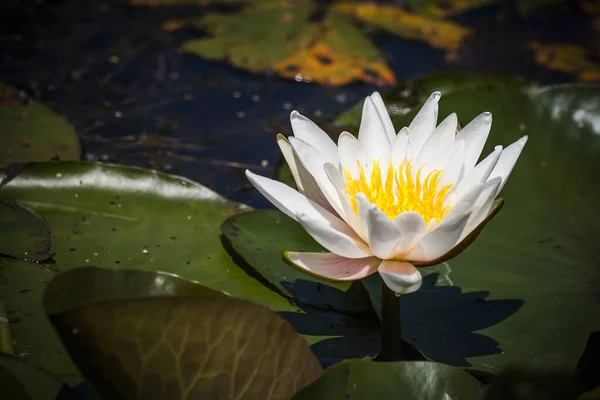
400 147
439 241
340 239
314 163
384 115
363 206
383 233
332 266
423 124
465 204
482 206
475 135
308 131
289 201
304 180
401 277
480 173
412 227
288 155
348 214
372 137
440 140
507 161
455 168
349 152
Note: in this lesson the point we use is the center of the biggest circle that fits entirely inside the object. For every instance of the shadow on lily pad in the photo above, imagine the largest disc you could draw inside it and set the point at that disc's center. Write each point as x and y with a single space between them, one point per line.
442 321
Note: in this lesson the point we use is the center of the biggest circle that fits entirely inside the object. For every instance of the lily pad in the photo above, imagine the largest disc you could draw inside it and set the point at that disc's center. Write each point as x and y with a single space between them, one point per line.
30 131
539 252
422 380
22 233
160 336
22 284
261 237
122 217
47 386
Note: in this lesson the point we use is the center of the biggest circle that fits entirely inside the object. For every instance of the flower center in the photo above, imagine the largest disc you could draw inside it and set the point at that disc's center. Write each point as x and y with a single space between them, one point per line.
400 192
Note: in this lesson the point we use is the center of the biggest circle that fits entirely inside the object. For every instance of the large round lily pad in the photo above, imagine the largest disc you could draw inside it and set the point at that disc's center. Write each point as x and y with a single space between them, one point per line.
261 237
527 291
22 233
30 131
121 217
367 380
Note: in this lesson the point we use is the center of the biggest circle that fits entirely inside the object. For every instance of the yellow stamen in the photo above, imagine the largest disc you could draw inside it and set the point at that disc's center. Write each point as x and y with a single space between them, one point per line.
400 192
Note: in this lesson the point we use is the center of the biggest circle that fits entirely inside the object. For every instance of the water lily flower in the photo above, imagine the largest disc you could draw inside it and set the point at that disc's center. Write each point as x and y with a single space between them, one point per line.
389 202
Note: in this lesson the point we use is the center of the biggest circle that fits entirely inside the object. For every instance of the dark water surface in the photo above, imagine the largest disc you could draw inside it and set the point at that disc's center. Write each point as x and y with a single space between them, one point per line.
135 99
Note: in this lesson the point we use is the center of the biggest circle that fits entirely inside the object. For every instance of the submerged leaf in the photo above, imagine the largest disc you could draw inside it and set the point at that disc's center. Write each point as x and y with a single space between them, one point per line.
438 33
168 339
567 58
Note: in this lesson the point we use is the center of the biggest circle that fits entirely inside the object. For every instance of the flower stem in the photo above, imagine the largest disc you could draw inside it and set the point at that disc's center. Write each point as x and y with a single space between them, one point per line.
392 346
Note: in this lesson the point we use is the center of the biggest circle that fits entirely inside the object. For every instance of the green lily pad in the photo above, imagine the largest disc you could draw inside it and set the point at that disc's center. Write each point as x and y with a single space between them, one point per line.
122 217
22 233
509 298
260 238
46 387
30 131
137 334
21 287
362 379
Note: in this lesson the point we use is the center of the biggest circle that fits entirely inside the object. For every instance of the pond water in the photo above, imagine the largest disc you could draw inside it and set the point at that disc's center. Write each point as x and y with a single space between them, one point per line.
135 99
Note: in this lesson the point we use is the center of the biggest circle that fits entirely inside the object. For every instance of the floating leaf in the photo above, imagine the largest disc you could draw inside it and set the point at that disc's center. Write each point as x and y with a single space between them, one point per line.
36 383
261 237
22 233
165 339
123 217
367 380
21 286
438 33
29 131
567 58
537 252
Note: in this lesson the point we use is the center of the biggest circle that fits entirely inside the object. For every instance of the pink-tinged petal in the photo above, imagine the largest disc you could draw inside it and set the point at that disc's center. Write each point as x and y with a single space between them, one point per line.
482 206
400 147
384 115
454 170
475 134
383 234
412 227
341 240
439 241
350 153
372 137
401 277
507 161
440 140
314 164
291 202
332 266
423 125
305 182
480 173
308 131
